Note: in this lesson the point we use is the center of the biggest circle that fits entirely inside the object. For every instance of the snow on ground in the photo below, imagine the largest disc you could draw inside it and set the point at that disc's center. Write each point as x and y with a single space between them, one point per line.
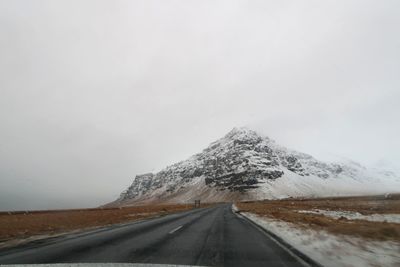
234 208
331 250
351 215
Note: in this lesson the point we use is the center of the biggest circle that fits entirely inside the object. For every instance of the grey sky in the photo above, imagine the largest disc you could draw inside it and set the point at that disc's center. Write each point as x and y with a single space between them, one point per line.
94 92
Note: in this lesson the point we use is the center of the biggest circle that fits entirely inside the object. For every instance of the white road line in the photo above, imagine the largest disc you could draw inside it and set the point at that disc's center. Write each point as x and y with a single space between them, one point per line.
259 228
176 229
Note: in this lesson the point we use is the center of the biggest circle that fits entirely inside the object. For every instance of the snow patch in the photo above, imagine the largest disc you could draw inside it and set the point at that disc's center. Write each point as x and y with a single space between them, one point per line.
351 215
330 250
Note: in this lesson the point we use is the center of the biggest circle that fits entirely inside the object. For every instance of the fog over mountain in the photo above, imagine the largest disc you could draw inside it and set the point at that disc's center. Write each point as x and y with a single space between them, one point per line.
94 92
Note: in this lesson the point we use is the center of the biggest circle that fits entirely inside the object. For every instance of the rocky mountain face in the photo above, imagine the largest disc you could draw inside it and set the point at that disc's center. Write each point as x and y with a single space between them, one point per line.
244 165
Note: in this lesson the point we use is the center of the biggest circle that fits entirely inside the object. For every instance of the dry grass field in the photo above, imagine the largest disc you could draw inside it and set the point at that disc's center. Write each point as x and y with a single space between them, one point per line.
19 225
373 217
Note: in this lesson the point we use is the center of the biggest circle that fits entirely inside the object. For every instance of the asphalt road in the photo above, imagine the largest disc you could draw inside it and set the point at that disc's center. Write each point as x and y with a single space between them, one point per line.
207 237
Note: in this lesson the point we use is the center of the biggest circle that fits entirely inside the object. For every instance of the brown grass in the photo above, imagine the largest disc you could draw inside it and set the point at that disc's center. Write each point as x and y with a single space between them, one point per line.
287 210
18 225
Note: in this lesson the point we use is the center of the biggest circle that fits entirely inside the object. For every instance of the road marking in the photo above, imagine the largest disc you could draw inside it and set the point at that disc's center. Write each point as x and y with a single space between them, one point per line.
265 232
176 229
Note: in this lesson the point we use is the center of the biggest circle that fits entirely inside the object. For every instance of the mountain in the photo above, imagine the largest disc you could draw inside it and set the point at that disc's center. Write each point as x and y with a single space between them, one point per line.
244 165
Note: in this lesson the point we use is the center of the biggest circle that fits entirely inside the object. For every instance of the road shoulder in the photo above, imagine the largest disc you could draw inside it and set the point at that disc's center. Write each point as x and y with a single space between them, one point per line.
257 222
327 249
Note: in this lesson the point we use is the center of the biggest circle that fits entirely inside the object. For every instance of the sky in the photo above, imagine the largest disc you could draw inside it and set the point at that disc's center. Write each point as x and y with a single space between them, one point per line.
94 92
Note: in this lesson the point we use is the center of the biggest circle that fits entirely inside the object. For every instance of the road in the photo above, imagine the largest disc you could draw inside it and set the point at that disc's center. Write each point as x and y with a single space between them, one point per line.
208 237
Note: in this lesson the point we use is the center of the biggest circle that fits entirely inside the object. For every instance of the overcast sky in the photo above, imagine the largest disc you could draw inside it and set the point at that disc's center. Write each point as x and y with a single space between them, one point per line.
94 92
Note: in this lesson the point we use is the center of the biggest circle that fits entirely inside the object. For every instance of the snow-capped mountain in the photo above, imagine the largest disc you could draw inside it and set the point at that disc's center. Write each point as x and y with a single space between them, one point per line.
244 165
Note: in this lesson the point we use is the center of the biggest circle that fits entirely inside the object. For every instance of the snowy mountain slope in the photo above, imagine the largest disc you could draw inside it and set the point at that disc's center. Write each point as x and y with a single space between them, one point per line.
244 165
